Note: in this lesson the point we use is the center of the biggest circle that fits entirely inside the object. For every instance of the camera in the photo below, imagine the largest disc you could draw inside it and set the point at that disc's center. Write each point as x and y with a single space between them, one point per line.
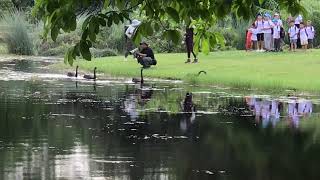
134 52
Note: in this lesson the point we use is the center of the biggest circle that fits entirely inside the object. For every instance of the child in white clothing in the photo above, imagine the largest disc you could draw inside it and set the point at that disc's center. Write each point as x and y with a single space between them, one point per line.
293 34
276 36
254 37
311 34
303 36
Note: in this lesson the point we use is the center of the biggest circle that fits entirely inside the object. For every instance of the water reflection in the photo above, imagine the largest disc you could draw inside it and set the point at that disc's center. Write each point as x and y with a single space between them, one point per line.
51 130
267 111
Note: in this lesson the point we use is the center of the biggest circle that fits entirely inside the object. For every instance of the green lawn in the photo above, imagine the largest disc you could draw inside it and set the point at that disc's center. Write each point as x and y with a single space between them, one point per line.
287 70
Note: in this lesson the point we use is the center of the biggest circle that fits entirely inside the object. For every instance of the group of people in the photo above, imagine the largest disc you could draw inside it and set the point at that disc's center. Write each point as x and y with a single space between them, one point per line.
269 111
267 33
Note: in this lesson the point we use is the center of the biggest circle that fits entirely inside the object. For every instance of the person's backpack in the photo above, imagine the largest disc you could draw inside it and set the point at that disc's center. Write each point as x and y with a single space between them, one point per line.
282 33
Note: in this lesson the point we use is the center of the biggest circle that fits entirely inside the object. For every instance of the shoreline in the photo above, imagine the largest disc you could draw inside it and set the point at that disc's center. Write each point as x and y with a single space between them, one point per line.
235 69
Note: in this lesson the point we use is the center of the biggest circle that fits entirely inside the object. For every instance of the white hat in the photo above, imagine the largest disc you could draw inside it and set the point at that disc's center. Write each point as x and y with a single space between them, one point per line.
135 23
277 14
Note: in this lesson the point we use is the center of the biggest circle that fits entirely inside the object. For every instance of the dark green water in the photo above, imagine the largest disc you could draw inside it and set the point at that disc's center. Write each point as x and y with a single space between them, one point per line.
53 127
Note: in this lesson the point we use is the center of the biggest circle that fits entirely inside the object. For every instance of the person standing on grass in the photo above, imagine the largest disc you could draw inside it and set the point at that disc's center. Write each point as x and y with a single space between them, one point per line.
130 32
260 36
303 36
189 45
254 37
293 35
297 23
277 19
248 38
276 36
311 34
267 29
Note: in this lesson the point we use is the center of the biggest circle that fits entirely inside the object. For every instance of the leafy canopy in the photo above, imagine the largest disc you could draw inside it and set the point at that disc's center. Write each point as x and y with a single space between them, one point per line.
62 15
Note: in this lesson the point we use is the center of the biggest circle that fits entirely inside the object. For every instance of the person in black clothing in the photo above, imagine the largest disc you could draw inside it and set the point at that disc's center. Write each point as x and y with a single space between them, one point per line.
189 44
146 57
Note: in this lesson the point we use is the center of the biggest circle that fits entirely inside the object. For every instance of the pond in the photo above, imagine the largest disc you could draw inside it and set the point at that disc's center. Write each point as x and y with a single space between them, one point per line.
55 127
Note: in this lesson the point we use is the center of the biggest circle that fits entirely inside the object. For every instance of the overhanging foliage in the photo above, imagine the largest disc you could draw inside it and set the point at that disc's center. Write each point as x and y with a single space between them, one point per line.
62 15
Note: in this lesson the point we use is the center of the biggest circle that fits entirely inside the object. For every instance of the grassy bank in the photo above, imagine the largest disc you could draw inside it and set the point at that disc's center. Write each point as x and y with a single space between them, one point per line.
286 70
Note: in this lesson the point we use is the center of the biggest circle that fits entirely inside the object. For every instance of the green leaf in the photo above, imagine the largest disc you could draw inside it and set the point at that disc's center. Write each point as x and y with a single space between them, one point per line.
85 23
261 2
173 35
73 23
71 57
220 39
102 22
146 29
173 14
85 34
137 36
85 51
54 33
205 46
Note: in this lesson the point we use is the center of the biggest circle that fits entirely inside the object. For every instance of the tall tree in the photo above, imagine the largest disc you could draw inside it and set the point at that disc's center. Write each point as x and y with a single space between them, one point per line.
62 14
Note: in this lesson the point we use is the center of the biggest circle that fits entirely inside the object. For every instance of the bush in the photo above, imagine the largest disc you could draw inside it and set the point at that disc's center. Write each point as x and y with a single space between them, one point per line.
5 6
54 51
111 38
16 34
103 52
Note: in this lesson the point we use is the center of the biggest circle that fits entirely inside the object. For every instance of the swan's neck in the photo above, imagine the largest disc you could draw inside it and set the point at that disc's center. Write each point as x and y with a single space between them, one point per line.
76 72
94 74
141 75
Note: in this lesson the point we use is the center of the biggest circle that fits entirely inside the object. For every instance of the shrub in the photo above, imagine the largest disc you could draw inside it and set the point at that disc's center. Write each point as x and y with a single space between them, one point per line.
103 52
111 38
16 34
55 51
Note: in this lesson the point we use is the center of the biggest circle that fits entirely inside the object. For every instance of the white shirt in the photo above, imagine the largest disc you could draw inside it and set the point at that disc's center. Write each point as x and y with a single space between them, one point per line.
298 20
293 32
254 34
276 32
310 31
268 26
303 34
259 25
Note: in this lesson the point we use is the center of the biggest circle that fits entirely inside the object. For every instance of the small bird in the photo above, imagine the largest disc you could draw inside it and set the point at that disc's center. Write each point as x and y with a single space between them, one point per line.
72 74
87 76
136 80
204 72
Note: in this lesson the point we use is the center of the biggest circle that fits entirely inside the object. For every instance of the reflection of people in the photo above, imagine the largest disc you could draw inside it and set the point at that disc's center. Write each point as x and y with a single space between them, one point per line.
130 107
129 32
145 56
189 112
189 44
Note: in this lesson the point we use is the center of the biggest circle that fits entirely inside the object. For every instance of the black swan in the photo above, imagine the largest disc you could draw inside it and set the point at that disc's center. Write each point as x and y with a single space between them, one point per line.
136 80
87 76
72 74
204 72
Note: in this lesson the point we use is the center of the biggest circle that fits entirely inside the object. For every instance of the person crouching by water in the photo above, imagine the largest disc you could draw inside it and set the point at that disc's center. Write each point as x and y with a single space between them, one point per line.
145 57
